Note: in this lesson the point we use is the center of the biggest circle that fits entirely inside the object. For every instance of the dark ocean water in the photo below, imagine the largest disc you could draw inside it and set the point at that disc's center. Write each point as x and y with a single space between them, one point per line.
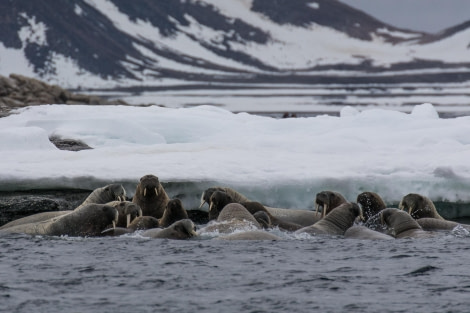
314 274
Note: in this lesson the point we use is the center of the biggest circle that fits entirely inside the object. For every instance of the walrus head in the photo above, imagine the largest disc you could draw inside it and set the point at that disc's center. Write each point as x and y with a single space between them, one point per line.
397 221
149 186
128 211
263 219
344 215
217 202
418 206
371 204
174 211
116 192
206 195
327 201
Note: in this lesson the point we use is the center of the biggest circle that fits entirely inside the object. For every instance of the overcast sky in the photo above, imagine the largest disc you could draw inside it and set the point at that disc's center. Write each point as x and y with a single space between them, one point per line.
423 15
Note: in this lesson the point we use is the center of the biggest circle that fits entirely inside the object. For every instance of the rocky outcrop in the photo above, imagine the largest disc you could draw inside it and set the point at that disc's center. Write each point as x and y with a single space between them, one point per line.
18 91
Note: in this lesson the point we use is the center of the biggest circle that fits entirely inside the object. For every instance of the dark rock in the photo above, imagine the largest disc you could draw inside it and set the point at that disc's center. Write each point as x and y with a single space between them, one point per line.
69 144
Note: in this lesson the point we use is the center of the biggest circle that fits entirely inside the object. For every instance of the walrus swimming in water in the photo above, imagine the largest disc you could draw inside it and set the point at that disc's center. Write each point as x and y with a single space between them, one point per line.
139 223
327 201
150 196
419 206
233 216
402 225
89 220
174 211
34 218
371 204
128 211
220 199
363 232
250 235
182 229
295 216
105 194
336 222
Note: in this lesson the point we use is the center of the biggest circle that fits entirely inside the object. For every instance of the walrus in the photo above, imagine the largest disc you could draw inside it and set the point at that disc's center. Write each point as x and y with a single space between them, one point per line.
336 222
296 216
327 201
220 199
233 216
87 221
174 211
105 194
371 204
429 223
150 196
418 206
182 229
263 219
250 235
128 211
34 218
139 223
363 232
236 196
402 225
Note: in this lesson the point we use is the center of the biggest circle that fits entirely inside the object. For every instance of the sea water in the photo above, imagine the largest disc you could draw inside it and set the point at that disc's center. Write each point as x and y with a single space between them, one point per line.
297 274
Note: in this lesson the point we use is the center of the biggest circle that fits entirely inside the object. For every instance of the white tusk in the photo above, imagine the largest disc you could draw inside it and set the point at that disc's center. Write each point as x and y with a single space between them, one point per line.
114 224
128 220
325 207
156 191
202 203
145 192
411 209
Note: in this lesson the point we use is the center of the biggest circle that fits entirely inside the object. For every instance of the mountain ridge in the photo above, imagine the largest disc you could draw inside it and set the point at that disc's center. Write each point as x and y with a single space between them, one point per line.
103 44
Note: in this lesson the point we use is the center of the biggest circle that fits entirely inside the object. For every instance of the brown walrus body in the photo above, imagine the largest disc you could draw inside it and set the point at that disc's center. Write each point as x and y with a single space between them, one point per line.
89 220
182 229
174 211
336 222
150 196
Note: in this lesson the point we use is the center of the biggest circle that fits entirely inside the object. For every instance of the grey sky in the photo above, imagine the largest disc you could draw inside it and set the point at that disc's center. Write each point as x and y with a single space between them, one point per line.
423 15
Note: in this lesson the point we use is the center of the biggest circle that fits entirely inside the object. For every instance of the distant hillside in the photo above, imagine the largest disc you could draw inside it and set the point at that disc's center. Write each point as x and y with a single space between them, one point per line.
109 43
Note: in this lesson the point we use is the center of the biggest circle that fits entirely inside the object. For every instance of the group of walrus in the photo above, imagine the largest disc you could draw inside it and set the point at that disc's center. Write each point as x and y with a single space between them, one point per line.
151 212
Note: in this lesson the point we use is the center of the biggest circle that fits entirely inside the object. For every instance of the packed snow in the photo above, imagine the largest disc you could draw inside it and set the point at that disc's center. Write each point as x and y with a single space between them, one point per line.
276 161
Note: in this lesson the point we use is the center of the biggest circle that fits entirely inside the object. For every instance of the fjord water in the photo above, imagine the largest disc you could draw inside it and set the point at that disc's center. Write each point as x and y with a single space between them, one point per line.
309 274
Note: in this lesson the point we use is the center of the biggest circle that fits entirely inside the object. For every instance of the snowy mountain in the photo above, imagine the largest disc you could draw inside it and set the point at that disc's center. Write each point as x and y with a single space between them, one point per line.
110 43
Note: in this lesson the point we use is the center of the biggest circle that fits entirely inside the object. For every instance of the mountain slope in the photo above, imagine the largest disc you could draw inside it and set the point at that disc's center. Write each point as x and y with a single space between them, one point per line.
106 43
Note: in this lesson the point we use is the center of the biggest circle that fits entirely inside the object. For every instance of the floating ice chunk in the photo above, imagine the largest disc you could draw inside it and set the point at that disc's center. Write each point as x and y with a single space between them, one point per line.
425 111
348 111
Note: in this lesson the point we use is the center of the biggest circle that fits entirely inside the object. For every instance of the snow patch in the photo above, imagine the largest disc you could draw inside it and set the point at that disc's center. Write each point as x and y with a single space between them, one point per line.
32 33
